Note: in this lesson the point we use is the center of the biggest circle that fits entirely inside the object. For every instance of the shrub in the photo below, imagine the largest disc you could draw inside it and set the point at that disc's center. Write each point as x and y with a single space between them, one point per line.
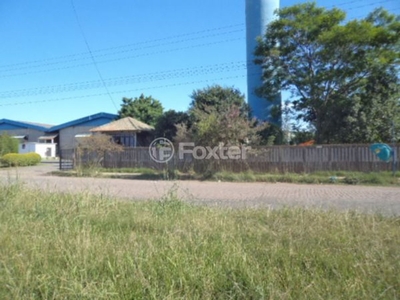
15 159
11 159
351 180
32 158
8 144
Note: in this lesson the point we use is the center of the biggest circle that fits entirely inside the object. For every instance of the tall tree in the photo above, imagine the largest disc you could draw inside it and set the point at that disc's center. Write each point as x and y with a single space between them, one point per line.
227 126
219 115
372 112
329 67
8 144
217 98
145 109
166 125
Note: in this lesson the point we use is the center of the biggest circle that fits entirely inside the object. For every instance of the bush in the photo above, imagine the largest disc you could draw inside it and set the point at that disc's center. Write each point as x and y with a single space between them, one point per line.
15 159
8 144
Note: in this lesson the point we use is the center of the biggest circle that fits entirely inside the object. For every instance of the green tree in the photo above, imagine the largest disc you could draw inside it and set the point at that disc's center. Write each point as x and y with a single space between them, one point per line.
271 135
227 127
301 136
145 109
166 125
216 98
372 113
330 67
220 115
8 144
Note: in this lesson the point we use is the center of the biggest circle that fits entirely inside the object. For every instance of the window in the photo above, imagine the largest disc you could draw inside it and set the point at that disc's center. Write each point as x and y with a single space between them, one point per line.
126 140
45 141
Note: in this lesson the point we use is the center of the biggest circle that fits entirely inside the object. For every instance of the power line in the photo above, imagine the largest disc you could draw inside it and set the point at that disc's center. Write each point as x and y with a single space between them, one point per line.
124 58
344 3
371 4
91 54
150 41
28 66
156 76
220 65
363 16
124 46
150 78
127 91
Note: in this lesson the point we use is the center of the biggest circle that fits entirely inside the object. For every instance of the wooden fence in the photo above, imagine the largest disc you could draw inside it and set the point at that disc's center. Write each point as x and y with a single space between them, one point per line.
263 159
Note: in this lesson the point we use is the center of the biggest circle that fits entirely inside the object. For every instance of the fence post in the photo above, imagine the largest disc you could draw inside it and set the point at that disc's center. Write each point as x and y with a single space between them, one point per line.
60 160
304 160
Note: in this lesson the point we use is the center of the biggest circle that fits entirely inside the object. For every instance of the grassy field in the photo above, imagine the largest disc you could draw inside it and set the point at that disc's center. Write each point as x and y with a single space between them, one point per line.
62 246
326 177
338 177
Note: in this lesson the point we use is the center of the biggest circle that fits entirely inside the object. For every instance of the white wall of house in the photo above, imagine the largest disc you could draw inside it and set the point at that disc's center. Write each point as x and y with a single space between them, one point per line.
45 150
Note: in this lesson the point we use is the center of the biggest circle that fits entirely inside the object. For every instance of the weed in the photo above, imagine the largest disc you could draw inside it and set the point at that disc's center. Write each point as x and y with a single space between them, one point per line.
62 246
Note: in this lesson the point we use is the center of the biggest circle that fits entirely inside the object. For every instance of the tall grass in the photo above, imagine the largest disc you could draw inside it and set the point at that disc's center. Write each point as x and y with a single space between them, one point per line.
339 177
321 177
62 246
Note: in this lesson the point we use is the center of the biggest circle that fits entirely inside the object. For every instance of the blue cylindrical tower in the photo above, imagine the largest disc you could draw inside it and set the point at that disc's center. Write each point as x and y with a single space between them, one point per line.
258 14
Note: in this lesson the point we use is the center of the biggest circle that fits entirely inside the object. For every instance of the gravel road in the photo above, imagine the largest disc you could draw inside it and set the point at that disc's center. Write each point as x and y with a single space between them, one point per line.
384 200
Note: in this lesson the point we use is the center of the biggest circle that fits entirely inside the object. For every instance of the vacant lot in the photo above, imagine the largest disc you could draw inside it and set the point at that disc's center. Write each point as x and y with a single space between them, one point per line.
80 246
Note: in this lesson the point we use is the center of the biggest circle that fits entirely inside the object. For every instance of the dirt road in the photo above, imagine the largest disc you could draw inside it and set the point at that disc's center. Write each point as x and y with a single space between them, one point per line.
384 200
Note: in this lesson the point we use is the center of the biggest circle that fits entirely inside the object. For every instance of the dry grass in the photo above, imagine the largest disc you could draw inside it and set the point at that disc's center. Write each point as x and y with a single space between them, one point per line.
62 246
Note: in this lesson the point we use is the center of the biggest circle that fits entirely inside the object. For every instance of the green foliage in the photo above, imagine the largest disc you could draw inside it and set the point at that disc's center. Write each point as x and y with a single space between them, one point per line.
228 127
19 160
166 125
302 136
91 151
217 99
145 109
333 177
130 170
370 116
342 76
8 144
219 115
271 135
320 177
78 246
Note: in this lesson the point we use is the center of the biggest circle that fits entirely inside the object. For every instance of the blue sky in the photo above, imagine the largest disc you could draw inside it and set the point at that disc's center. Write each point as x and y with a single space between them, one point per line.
165 49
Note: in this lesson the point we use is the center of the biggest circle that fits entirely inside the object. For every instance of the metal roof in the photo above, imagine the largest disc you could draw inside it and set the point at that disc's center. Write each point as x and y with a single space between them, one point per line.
48 137
83 120
38 124
40 127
